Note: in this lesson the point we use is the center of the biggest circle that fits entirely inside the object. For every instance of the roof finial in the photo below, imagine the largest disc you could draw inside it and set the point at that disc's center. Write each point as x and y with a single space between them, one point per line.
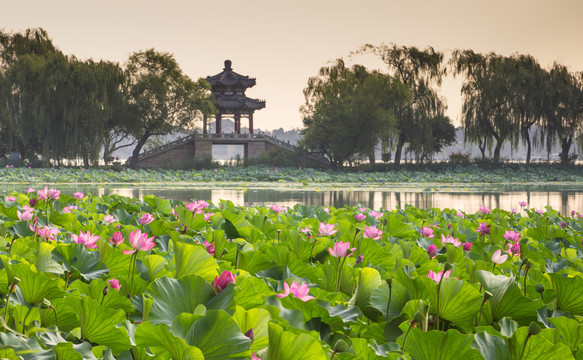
227 65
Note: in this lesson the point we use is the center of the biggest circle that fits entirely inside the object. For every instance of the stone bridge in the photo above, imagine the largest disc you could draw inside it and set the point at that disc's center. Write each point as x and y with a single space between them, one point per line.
186 151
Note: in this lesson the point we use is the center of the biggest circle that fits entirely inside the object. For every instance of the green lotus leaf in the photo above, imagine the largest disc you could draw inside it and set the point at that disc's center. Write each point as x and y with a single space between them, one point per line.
368 280
491 347
36 286
77 258
571 331
175 296
256 319
439 345
98 324
284 345
70 351
251 291
95 290
194 260
569 292
164 344
219 337
459 303
538 347
162 206
507 299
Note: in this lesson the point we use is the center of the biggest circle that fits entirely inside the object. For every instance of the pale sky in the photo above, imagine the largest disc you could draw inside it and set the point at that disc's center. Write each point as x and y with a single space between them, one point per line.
282 44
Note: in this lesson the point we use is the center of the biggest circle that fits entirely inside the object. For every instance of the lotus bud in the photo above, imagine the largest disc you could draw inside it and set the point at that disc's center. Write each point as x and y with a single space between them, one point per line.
105 290
418 318
250 335
540 288
46 304
359 259
534 328
341 346
389 282
563 224
432 251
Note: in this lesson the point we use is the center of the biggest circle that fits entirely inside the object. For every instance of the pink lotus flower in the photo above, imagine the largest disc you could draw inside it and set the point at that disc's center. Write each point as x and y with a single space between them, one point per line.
10 198
221 282
376 215
306 230
522 203
563 224
207 216
140 242
371 232
483 229
78 195
277 208
513 211
255 357
90 241
210 248
426 232
484 210
53 194
108 219
360 216
432 251
341 249
297 290
326 229
460 214
47 232
440 275
25 215
511 236
326 210
362 209
29 190
498 258
67 209
514 249
197 207
43 193
116 238
146 219
468 246
451 240
539 211
114 283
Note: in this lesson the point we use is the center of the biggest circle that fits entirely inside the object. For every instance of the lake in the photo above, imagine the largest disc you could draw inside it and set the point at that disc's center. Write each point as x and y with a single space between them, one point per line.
466 197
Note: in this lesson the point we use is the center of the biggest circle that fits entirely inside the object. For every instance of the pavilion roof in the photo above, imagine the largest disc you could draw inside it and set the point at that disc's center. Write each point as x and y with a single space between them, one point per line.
229 78
237 103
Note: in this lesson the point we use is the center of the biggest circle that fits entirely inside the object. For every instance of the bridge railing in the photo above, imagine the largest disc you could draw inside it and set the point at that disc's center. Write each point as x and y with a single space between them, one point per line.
165 146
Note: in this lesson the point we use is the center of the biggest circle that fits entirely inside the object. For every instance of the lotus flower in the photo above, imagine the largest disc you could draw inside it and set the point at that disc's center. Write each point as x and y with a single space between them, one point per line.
483 229
146 219
197 207
498 258
53 194
25 215
297 290
87 239
10 198
47 232
341 249
371 232
116 239
140 242
250 334
255 357
511 236
43 193
484 210
563 224
221 282
460 214
326 229
67 209
306 230
432 251
108 219
514 249
210 248
114 283
426 232
539 211
207 216
360 216
29 190
467 246
451 240
437 277
522 203
78 195
376 215
277 208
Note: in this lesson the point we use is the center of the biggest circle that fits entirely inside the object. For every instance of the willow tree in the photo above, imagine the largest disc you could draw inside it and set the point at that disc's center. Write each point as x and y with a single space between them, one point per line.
348 110
563 118
422 72
162 97
487 98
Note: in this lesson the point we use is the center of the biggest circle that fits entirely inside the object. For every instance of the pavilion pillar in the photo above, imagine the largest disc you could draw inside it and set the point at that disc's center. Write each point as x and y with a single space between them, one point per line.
237 123
204 125
251 123
218 123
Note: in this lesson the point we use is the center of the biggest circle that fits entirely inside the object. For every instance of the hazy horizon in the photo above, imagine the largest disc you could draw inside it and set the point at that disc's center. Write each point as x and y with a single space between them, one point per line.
283 44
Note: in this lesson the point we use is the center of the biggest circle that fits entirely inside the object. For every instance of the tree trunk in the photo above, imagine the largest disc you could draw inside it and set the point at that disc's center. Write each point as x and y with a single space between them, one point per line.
134 159
482 146
497 150
399 149
565 148
528 146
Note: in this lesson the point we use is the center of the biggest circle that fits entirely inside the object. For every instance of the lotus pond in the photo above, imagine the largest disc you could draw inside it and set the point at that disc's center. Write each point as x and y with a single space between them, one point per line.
106 277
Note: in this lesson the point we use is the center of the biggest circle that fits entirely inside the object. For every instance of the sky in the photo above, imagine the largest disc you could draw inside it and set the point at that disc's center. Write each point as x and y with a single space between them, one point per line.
283 43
